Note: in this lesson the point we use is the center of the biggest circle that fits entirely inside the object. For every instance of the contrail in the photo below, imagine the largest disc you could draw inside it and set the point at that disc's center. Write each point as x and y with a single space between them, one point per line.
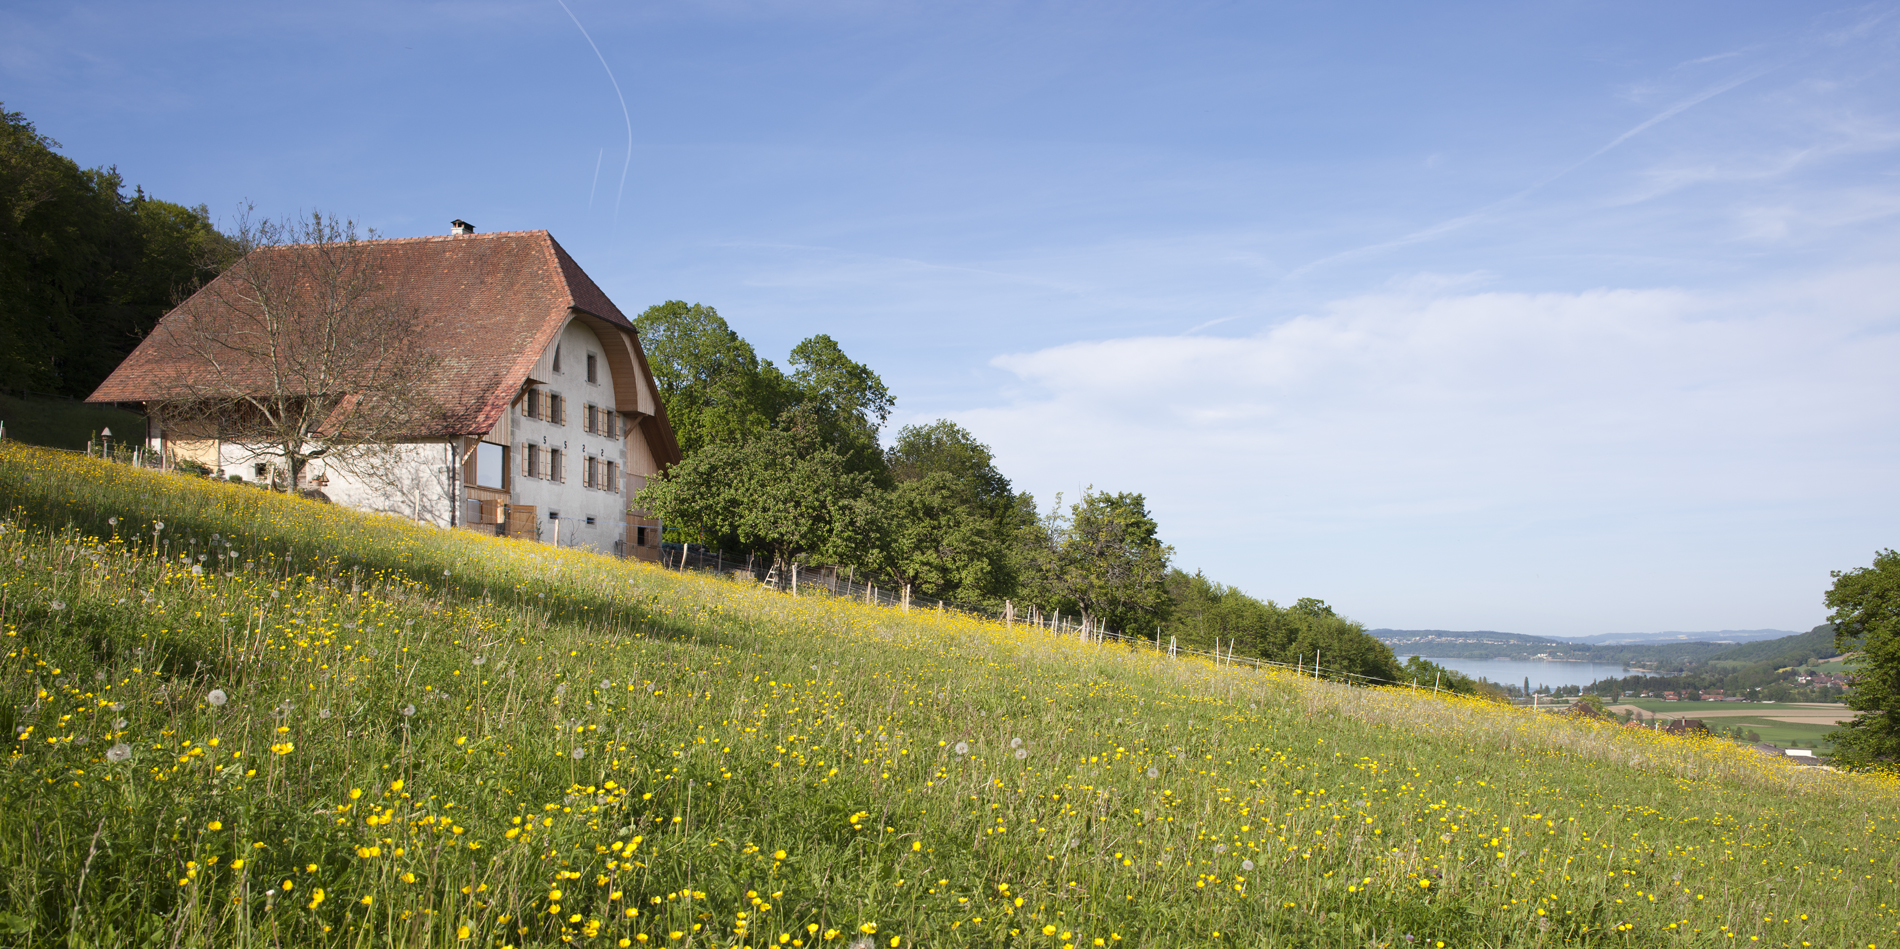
623 112
1464 219
596 184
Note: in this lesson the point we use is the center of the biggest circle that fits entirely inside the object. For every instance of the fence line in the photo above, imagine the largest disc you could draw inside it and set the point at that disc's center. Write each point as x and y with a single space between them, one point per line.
831 580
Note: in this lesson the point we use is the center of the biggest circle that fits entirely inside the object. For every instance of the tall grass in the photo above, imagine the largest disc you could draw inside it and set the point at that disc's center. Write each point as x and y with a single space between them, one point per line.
271 722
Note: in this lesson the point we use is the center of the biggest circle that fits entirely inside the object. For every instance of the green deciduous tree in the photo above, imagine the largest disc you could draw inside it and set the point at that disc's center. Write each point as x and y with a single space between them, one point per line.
841 400
716 388
1102 558
783 493
1866 616
1207 615
954 518
85 271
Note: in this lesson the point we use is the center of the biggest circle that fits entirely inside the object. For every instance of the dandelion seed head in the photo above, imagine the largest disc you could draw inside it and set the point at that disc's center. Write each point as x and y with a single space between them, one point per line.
577 754
1246 864
323 713
119 752
1022 753
1015 742
408 710
217 697
1153 773
963 747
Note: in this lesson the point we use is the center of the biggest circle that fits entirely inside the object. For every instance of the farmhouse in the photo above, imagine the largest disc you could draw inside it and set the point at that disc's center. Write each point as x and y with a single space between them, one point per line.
543 418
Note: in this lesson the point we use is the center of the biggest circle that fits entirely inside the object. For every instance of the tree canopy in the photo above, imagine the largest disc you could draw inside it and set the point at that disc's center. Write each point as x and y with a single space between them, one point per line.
716 388
85 270
1102 558
1866 616
789 464
1207 615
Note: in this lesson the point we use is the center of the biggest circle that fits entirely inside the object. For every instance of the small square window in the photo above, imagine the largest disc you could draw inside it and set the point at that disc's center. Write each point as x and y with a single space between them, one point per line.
590 520
257 470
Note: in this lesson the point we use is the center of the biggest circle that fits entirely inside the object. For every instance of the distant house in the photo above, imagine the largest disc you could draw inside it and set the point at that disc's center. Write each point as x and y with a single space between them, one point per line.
550 416
1686 726
1671 697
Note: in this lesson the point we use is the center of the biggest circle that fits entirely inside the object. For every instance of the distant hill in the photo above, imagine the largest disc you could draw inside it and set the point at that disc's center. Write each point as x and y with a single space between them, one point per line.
1655 651
1599 639
1816 643
1709 636
1417 636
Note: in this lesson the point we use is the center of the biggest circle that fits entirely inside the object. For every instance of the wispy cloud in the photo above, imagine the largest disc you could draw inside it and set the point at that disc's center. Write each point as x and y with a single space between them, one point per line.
1487 211
1412 420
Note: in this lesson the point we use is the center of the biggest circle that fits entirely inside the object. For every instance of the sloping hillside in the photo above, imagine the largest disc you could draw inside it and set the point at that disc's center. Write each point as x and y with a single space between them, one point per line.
246 720
1817 643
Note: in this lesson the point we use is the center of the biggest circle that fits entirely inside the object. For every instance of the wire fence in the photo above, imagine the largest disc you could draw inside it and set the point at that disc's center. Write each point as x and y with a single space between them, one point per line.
835 581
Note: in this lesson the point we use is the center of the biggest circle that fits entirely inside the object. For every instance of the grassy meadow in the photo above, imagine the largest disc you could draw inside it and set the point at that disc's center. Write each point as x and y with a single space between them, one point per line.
244 720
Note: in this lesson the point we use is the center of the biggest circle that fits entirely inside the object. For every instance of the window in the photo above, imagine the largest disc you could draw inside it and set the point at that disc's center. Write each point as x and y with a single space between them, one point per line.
557 409
257 470
591 376
557 357
639 537
587 475
590 517
592 416
491 462
611 424
533 462
613 481
534 403
554 465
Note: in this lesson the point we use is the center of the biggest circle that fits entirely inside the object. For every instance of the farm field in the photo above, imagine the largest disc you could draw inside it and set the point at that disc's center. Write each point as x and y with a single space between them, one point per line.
245 720
1778 723
1785 725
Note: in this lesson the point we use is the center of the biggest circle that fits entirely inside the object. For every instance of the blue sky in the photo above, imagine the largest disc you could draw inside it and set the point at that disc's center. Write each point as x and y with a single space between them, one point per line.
1558 318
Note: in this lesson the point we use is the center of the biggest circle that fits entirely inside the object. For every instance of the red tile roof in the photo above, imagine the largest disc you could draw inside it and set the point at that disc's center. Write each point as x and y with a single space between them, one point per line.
490 305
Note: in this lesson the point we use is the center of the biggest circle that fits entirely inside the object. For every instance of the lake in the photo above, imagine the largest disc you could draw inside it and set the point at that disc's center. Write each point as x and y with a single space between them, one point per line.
1542 672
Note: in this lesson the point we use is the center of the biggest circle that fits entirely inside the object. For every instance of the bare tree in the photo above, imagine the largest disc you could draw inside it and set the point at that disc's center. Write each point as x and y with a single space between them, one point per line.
298 350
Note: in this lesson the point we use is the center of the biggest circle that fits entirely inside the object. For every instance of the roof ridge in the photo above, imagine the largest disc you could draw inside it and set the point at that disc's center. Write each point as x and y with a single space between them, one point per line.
427 238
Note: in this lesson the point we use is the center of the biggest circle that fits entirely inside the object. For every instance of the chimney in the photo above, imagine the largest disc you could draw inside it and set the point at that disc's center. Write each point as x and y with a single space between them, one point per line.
461 227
